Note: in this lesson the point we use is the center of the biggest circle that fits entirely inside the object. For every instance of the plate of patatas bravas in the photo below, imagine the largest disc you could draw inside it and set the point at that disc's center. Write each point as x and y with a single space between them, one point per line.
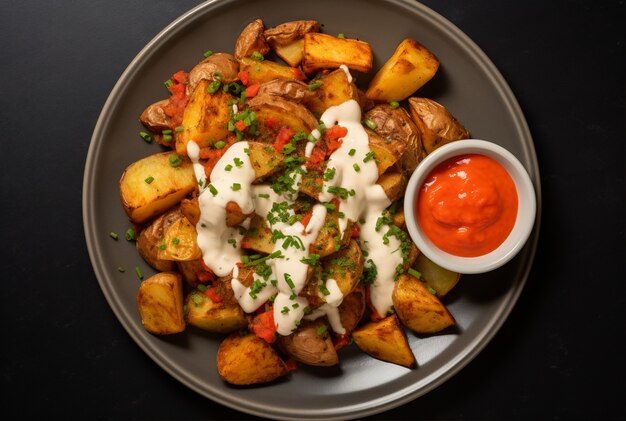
275 218
267 207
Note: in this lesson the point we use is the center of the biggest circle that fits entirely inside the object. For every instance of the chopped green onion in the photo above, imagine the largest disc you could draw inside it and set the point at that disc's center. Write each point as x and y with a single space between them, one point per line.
342 35
228 167
168 83
289 281
394 104
212 189
175 161
257 56
264 195
149 180
313 86
201 287
162 246
121 269
236 186
414 273
168 131
232 241
285 310
238 162
321 330
369 123
175 241
208 53
146 136
138 272
219 145
369 156
213 86
179 129
167 138
356 167
432 290
352 152
130 234
113 235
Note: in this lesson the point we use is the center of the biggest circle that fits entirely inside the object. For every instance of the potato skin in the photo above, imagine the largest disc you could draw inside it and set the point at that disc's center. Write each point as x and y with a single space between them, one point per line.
436 124
148 243
218 63
352 308
251 39
245 360
306 346
154 117
288 32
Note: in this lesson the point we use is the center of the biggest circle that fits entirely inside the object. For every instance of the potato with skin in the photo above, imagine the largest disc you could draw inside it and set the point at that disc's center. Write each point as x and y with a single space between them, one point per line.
290 89
258 236
352 308
407 70
251 39
287 39
386 341
439 279
189 270
322 51
386 151
345 267
418 308
435 123
160 303
205 118
149 241
396 125
310 344
393 184
179 239
218 66
170 184
267 70
283 112
334 89
154 117
245 360
216 317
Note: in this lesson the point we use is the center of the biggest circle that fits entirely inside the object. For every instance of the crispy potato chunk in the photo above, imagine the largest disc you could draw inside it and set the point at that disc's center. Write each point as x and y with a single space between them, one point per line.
258 236
154 117
251 39
435 123
417 308
219 66
335 89
291 89
142 200
323 51
287 39
345 267
149 241
408 69
160 302
352 309
310 344
283 113
386 341
207 315
393 184
439 279
266 70
179 240
243 360
205 118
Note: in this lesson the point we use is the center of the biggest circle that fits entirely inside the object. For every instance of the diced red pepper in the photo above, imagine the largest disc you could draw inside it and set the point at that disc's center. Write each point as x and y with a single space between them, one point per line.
297 73
341 341
283 137
336 132
306 218
244 77
356 230
271 122
240 125
205 276
264 327
213 294
204 265
180 76
318 155
252 90
291 365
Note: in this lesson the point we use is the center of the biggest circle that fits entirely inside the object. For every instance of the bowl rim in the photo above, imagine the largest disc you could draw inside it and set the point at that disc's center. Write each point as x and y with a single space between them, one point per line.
526 211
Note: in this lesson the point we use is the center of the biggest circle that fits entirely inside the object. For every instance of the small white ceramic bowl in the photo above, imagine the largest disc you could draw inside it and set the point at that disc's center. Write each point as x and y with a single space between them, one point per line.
525 212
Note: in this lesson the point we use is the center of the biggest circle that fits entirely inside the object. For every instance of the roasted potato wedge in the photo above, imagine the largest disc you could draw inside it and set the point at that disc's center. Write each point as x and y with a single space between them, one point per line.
310 344
205 118
290 89
283 113
179 239
417 308
386 151
345 267
214 317
142 200
154 117
407 70
189 270
322 51
436 124
287 39
258 236
264 159
439 279
160 302
218 66
251 39
393 184
386 341
244 360
395 125
352 308
148 242
266 70
334 89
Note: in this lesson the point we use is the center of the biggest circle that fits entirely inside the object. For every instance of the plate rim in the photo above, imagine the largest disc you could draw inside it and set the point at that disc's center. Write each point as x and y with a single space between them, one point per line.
386 402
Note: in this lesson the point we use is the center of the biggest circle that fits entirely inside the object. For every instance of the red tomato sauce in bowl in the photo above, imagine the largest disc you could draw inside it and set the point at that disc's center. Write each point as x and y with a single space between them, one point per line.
467 205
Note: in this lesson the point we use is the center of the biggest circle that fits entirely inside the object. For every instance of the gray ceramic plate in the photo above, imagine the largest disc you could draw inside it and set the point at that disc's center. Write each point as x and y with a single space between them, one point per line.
467 83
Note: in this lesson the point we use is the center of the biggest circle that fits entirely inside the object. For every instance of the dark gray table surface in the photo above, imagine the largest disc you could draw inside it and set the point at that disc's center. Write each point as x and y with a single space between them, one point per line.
559 355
